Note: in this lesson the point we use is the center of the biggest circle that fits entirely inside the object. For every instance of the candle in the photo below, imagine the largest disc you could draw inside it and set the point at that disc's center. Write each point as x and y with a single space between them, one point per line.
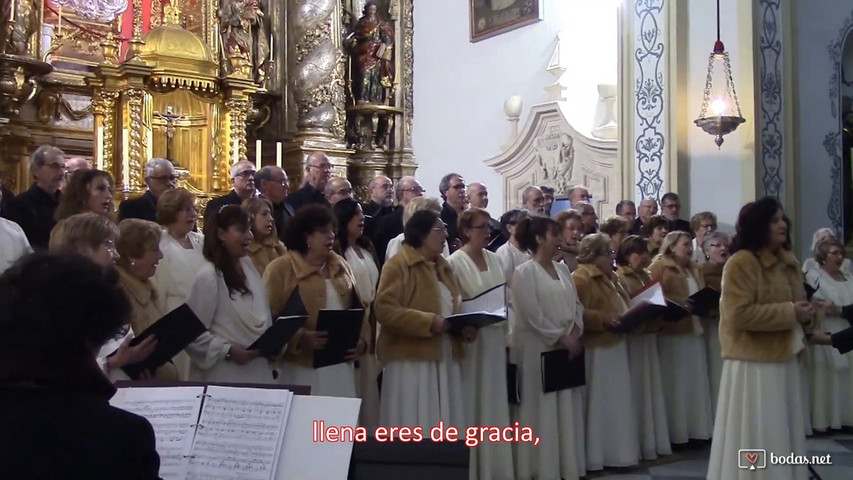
271 47
125 159
258 154
236 151
150 146
99 147
278 154
12 11
59 25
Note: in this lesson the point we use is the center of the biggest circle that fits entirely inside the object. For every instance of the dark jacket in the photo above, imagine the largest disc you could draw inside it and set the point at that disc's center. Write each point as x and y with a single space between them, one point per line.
144 207
307 195
496 236
637 226
679 225
214 205
281 213
33 210
58 423
387 227
6 198
374 212
451 219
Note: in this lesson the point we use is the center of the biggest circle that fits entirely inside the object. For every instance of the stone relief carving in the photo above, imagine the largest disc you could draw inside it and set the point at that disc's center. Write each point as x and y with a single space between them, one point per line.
556 156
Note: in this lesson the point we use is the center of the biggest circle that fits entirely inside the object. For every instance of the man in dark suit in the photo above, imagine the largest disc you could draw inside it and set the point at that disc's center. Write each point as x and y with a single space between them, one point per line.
273 185
159 176
6 197
670 208
318 172
381 191
455 195
243 181
647 209
33 210
391 225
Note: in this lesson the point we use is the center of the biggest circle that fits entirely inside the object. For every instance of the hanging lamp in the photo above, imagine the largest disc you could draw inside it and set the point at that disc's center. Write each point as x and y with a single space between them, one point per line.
720 95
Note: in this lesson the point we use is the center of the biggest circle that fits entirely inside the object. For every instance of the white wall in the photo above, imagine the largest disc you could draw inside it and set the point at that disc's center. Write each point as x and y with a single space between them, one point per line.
718 180
460 87
816 25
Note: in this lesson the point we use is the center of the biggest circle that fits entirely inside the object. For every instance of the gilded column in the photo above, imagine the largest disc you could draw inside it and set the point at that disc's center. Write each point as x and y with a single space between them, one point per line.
132 132
401 157
235 130
104 110
316 71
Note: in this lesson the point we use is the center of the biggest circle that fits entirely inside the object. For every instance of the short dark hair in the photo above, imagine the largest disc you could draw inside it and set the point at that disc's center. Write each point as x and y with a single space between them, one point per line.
753 224
613 225
419 227
511 217
344 211
669 196
622 204
307 220
654 222
216 253
546 189
630 245
54 309
531 227
444 184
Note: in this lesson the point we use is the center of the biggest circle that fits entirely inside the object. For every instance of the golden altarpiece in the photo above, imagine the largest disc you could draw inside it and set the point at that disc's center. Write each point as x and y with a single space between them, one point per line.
204 83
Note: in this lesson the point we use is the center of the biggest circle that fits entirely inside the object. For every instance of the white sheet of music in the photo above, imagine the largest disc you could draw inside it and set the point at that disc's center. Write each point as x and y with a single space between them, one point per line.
302 459
240 434
173 412
651 294
491 301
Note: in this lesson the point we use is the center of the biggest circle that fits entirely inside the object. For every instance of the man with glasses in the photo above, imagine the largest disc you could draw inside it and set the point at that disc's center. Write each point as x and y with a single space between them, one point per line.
589 219
159 177
455 195
337 189
648 208
318 172
273 185
33 210
578 194
478 195
391 225
671 206
243 180
381 190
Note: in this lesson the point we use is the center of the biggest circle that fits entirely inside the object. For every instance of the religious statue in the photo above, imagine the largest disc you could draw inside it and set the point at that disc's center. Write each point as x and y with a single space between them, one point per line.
244 35
26 15
371 55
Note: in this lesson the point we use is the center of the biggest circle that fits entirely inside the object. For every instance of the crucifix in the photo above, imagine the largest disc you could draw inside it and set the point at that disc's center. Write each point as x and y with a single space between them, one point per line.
170 118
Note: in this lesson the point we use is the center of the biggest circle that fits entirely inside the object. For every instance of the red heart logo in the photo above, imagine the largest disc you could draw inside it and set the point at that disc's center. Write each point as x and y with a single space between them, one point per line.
752 457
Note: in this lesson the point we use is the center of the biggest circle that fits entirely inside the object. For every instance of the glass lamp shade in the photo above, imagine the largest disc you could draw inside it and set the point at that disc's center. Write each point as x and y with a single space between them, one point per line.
720 113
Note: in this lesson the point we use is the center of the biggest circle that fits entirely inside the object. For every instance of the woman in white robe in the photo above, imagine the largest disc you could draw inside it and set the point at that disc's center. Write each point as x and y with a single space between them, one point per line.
715 248
477 271
643 358
811 267
415 205
361 257
229 298
830 372
549 317
511 256
763 312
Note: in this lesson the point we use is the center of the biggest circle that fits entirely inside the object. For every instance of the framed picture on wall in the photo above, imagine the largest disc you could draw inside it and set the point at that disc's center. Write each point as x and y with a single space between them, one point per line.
494 17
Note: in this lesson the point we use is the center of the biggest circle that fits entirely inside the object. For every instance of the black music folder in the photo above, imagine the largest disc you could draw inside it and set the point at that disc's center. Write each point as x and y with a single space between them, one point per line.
559 372
810 291
477 320
293 306
706 302
344 328
513 389
674 311
843 340
638 315
174 332
276 337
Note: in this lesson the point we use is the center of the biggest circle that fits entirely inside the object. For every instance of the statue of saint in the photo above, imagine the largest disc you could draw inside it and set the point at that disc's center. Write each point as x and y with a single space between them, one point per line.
26 24
371 51
244 33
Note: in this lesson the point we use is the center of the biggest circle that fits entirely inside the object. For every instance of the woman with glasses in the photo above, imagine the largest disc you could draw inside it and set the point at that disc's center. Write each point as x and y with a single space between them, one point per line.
422 382
571 223
681 345
355 247
229 298
811 268
549 317
94 236
87 191
611 426
477 271
715 248
701 224
830 373
324 281
265 246
649 407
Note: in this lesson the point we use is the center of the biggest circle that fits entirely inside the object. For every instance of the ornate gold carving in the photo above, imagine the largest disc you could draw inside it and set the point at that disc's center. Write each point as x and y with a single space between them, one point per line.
156 13
104 105
52 104
408 72
135 98
172 14
237 109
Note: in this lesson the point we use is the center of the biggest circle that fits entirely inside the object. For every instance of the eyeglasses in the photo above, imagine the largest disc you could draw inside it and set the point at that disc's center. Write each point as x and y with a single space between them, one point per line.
414 189
837 253
170 178
191 209
717 245
708 226
442 228
386 187
326 167
344 191
672 206
245 174
56 166
458 186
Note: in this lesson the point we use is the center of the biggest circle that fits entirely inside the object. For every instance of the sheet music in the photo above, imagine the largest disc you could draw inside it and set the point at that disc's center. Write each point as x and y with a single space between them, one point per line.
240 434
491 301
173 412
653 294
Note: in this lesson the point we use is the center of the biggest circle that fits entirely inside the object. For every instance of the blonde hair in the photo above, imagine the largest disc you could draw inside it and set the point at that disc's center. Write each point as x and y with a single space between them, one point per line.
821 250
135 237
669 242
81 231
593 246
420 203
170 202
566 215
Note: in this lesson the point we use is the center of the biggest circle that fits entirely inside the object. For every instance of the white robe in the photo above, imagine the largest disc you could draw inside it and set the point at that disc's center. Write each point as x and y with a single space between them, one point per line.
13 243
546 310
230 319
484 371
510 258
396 244
178 268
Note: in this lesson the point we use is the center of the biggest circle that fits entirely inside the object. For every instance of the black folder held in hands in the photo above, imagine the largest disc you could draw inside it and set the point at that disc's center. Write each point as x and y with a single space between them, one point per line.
706 302
559 372
513 389
276 337
674 311
639 314
344 329
174 332
477 320
843 340
810 291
